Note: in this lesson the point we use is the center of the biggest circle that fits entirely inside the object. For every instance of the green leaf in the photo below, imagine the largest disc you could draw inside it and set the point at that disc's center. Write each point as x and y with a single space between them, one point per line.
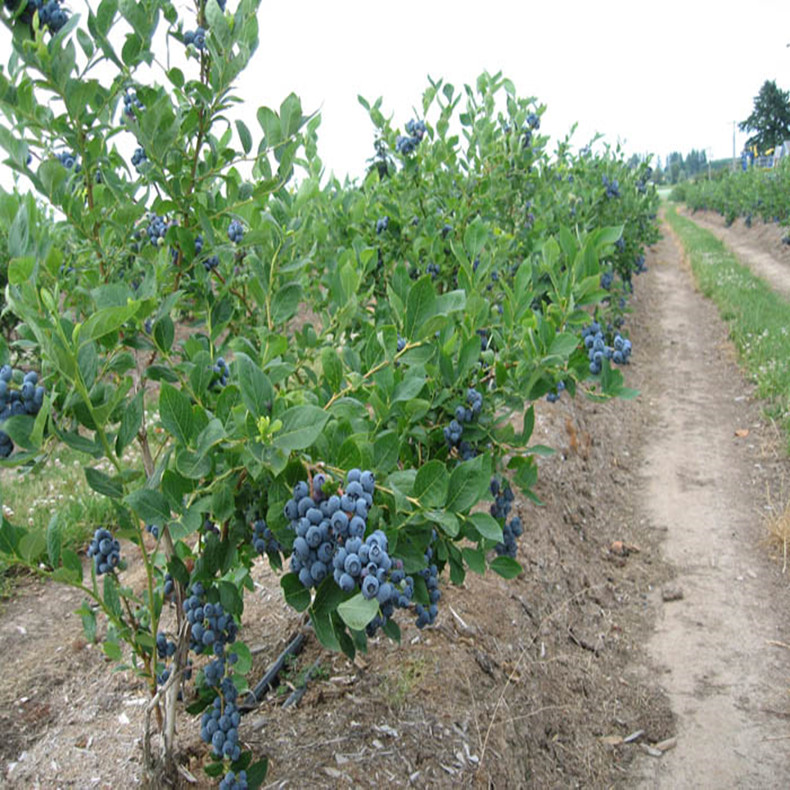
104 484
175 413
164 333
246 139
72 564
111 598
131 421
20 270
420 307
528 425
332 367
302 425
506 567
192 465
385 451
105 321
487 526
210 436
112 650
432 484
447 521
230 598
358 611
32 546
409 388
88 622
256 389
256 774
475 237
285 302
564 345
244 661
475 559
150 506
296 594
468 484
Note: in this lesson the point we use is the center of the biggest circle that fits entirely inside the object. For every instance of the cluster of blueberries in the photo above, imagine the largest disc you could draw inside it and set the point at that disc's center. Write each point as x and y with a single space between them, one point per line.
263 539
105 550
235 231
553 397
221 372
433 269
533 124
464 414
212 628
164 649
69 161
641 267
138 158
130 104
330 534
210 263
233 781
607 278
219 727
50 13
382 224
641 184
500 510
612 187
26 399
196 37
323 523
597 349
157 228
407 144
427 615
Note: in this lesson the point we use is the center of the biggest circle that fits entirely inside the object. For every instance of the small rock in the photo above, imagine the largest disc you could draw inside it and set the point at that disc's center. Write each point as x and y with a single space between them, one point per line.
671 593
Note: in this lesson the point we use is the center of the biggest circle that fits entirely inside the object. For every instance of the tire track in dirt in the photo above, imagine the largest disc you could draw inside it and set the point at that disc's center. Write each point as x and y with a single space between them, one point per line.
727 685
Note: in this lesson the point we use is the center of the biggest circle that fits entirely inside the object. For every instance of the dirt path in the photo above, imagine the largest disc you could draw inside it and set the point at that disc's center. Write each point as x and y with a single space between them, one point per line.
727 685
759 247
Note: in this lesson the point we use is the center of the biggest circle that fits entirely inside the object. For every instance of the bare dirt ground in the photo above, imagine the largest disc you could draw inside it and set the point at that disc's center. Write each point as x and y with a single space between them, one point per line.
719 645
576 674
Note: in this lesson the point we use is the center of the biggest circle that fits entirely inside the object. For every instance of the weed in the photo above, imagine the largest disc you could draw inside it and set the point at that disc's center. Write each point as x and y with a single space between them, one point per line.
399 685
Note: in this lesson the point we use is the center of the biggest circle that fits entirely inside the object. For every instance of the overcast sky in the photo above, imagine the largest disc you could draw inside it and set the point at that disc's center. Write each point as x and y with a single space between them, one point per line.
657 77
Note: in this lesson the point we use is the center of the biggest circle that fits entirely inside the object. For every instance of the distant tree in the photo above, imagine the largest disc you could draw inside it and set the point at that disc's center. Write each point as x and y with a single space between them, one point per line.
770 119
674 168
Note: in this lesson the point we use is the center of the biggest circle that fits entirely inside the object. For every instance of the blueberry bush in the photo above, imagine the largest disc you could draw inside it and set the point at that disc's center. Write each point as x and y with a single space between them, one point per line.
752 194
331 369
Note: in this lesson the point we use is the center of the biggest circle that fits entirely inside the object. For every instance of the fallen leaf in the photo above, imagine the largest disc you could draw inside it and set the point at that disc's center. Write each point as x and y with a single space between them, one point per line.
623 549
742 433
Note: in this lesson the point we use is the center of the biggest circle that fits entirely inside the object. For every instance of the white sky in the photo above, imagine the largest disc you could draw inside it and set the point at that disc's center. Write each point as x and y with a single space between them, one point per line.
657 77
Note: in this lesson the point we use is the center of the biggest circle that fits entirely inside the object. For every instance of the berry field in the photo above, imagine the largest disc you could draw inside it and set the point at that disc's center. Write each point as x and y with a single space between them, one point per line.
532 682
428 479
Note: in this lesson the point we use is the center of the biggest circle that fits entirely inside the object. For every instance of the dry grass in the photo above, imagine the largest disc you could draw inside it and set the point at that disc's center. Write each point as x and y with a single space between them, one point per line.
776 518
